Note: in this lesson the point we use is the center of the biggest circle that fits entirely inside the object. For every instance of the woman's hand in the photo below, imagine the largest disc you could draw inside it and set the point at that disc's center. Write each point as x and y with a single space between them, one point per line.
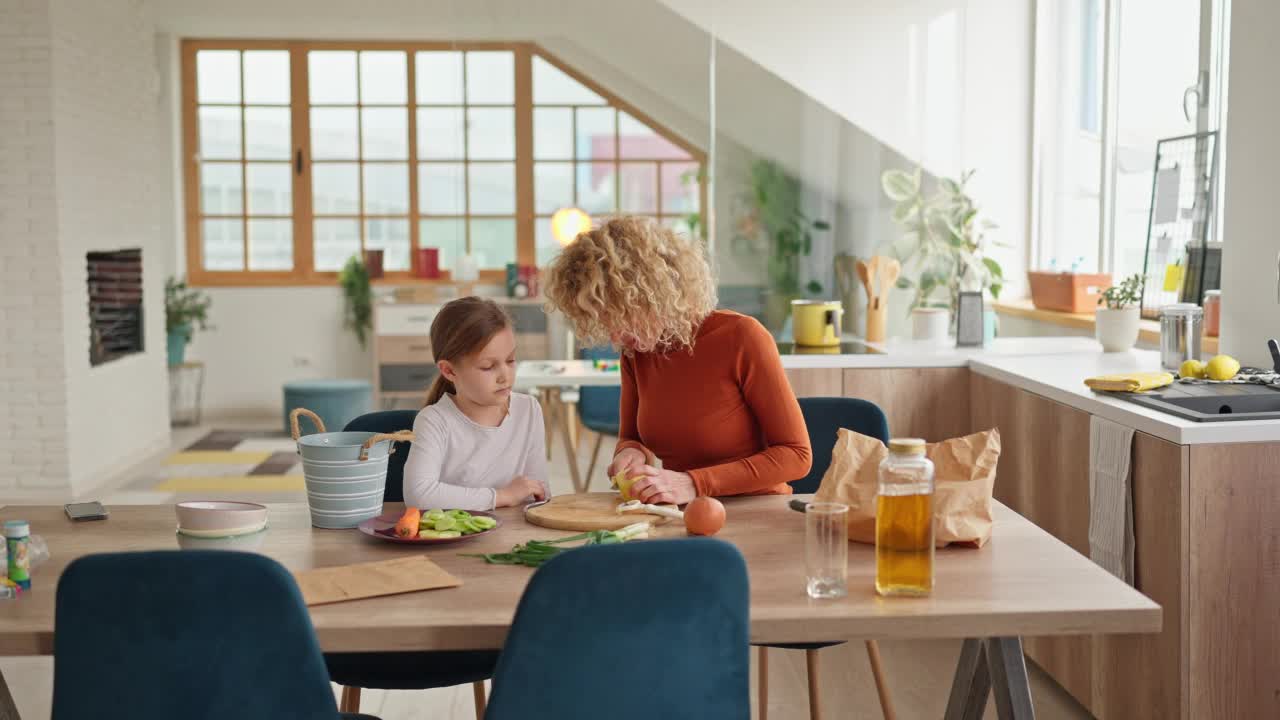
519 490
663 486
629 459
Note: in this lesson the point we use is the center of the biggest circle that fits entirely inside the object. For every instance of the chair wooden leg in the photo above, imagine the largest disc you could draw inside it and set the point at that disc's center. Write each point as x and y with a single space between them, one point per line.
882 688
595 456
350 700
762 685
549 420
477 689
815 699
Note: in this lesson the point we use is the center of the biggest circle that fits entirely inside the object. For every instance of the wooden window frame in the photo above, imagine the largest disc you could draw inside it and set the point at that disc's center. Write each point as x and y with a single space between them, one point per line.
303 217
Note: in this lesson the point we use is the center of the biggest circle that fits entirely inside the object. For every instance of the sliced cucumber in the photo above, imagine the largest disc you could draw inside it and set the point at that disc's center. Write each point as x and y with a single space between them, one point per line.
449 534
483 522
447 522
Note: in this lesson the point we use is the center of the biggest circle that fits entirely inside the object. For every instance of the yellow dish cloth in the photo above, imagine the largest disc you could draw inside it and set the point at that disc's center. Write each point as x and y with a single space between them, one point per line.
1130 382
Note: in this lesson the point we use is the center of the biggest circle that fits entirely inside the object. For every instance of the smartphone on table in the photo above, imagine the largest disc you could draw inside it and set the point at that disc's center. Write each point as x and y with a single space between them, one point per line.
86 511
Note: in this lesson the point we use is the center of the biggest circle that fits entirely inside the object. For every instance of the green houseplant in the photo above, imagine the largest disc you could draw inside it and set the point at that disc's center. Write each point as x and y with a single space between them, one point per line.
943 244
358 298
1117 323
775 213
184 310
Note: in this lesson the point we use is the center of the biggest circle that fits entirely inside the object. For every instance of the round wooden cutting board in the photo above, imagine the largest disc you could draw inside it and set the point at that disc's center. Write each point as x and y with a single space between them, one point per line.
587 511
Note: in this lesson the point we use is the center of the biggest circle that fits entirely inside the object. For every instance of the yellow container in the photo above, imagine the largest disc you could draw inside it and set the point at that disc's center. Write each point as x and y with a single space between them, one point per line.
816 323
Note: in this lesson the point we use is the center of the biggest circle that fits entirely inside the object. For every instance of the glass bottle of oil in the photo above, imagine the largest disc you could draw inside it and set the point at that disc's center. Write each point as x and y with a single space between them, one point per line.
904 521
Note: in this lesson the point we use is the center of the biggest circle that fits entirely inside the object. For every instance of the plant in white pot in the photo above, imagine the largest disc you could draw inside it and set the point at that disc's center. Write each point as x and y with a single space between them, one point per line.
1118 322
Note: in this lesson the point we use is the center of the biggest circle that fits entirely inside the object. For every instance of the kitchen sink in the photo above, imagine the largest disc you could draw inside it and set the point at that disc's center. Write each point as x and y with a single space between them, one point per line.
1212 402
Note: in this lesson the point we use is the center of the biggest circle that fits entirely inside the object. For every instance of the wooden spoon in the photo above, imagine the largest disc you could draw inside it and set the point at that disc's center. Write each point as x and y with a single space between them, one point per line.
864 274
889 276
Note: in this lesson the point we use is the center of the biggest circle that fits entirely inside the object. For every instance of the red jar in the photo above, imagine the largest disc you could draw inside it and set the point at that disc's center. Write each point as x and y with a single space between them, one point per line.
1212 312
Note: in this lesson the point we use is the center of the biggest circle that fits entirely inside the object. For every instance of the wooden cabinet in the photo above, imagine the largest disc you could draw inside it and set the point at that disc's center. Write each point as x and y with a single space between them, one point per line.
930 403
816 382
1044 475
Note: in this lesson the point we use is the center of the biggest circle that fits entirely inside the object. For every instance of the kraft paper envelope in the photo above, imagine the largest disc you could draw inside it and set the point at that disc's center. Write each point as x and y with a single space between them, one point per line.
372 579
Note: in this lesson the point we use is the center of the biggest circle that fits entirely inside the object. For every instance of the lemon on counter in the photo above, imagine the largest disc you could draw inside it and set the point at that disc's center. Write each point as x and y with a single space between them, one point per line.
1222 367
1192 369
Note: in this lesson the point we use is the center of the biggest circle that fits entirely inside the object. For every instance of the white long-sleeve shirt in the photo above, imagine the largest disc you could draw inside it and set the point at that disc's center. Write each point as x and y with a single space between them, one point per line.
456 463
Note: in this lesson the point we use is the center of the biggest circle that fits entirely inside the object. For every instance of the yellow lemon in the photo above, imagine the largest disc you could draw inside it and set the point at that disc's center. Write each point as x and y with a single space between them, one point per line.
1222 367
623 483
1192 369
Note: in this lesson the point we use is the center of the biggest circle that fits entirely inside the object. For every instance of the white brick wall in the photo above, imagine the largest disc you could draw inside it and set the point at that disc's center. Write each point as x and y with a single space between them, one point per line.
33 383
80 170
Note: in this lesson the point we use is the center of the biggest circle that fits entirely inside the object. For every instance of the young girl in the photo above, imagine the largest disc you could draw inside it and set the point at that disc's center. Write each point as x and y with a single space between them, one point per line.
476 445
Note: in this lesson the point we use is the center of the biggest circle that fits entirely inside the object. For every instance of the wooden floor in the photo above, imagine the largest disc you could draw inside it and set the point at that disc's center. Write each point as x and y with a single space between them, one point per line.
918 672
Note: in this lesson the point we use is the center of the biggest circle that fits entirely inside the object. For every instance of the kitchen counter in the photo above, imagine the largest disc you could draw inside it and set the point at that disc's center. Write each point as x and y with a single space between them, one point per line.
897 353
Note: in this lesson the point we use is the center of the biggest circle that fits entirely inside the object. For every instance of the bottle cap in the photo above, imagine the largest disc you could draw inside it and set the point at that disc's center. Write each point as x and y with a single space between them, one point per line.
17 529
906 446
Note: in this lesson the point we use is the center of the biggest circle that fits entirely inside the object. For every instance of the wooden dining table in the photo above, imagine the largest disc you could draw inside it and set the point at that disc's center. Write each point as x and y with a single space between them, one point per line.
1024 582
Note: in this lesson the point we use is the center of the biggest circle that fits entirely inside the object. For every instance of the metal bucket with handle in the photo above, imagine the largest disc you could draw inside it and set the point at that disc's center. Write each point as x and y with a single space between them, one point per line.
346 472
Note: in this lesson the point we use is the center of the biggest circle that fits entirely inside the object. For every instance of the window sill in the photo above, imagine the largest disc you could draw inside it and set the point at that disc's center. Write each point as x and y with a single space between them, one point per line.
1149 332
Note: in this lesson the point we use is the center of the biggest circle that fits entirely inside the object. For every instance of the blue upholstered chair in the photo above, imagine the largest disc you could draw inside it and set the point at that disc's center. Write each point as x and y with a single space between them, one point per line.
335 401
405 670
185 634
824 417
599 407
653 629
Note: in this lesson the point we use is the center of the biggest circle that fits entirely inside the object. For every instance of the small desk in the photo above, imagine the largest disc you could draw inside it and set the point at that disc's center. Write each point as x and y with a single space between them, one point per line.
550 378
1024 582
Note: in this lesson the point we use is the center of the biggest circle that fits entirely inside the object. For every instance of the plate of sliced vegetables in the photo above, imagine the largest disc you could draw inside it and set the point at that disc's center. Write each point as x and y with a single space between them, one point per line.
429 527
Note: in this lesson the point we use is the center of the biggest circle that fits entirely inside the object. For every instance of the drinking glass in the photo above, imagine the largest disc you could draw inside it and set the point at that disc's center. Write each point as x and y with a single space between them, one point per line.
826 549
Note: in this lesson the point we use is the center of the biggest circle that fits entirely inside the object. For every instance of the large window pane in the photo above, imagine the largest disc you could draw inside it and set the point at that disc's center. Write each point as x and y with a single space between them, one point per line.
493 188
596 134
553 134
552 86
270 188
637 140
639 188
552 186
270 244
266 133
218 76
220 133
392 235
449 235
546 246
441 189
385 132
440 134
384 78
596 188
335 188
491 77
681 191
223 244
438 77
221 189
491 133
493 242
386 189
333 134
332 76
335 242
266 76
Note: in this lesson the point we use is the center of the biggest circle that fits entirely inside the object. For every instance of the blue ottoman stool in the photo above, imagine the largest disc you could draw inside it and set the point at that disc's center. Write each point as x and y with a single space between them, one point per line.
337 402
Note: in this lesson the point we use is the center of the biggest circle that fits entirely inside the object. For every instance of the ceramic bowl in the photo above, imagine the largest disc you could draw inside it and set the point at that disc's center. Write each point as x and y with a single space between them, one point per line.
210 517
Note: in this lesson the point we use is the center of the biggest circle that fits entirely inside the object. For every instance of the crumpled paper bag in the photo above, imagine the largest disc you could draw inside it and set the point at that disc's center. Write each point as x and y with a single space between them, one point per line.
964 478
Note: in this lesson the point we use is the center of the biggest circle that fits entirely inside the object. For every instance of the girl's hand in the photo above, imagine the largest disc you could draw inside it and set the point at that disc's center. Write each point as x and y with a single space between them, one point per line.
663 486
518 491
629 459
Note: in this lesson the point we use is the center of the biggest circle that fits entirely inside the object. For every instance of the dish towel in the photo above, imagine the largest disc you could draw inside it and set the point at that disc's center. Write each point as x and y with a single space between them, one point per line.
1130 382
1111 497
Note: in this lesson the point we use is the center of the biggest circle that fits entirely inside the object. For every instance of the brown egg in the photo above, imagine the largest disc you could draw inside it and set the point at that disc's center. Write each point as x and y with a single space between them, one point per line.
704 516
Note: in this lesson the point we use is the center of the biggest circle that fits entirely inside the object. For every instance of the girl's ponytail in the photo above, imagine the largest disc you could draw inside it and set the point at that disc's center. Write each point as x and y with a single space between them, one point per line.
439 387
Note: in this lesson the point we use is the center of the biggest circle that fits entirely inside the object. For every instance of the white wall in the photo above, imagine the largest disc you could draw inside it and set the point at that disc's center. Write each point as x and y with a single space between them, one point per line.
1250 243
946 83
33 388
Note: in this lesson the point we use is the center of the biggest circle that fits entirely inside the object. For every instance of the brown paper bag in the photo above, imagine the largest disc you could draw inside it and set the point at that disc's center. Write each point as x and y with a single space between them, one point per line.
964 478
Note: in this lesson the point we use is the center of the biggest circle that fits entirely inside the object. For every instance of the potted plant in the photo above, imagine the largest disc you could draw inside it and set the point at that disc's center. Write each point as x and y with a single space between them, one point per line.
943 248
358 298
1117 323
774 201
184 310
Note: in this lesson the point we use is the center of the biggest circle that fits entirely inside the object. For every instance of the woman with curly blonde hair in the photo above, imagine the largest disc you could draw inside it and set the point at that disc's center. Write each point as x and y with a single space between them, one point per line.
703 390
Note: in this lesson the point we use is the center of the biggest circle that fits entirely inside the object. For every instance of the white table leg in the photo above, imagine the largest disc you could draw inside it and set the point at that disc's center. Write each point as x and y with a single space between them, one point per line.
570 449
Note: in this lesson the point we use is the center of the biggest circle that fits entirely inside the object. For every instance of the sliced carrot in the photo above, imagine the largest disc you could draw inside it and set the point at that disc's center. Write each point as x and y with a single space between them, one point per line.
407 525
